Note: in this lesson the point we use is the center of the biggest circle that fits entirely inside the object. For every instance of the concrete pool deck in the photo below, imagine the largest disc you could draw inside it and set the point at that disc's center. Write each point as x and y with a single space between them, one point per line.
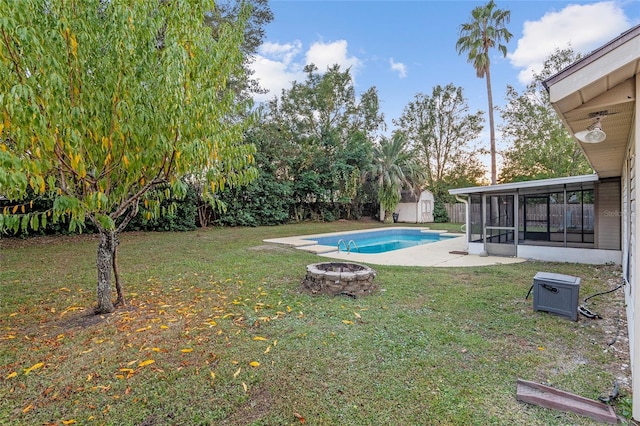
437 254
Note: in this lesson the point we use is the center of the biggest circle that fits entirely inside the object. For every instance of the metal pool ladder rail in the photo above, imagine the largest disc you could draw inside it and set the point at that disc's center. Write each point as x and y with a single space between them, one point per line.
347 246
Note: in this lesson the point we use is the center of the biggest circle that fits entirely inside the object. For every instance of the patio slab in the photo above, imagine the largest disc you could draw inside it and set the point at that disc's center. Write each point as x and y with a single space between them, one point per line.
437 254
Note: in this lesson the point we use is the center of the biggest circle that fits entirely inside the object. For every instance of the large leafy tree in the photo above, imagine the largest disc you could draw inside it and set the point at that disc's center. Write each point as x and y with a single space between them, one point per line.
323 133
394 168
440 130
486 30
540 146
228 11
104 102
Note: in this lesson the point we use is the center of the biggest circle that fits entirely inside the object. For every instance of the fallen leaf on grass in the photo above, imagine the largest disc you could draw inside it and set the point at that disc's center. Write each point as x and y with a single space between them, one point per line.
33 367
69 422
237 372
357 315
12 375
347 322
266 351
70 309
299 417
186 350
27 408
244 385
254 364
143 329
146 362
260 338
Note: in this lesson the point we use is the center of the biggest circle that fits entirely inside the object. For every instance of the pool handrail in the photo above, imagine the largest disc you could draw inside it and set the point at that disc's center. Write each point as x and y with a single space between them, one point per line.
347 246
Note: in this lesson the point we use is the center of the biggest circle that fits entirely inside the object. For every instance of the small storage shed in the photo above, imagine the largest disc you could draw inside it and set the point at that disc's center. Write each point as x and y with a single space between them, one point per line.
415 208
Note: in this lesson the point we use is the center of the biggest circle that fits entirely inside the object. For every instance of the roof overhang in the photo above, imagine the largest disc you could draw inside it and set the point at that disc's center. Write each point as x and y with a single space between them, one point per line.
547 185
601 83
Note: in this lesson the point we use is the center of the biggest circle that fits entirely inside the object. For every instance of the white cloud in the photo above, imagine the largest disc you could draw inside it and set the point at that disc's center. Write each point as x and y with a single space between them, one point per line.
277 65
398 67
325 55
582 27
285 52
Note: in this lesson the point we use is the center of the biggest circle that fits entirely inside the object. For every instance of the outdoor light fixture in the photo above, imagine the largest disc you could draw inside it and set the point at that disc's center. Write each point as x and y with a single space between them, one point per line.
593 134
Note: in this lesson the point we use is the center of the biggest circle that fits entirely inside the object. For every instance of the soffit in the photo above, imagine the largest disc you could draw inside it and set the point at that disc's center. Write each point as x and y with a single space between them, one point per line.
602 83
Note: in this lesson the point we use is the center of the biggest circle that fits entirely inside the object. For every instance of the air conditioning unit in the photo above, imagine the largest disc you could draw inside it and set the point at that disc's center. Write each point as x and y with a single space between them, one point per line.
557 294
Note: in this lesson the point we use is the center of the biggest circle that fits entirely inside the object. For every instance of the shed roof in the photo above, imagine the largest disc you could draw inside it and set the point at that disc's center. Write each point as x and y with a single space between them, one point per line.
407 196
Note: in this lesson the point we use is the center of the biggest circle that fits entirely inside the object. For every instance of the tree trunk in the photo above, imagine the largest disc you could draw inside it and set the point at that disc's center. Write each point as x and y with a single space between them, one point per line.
203 215
492 130
104 265
120 300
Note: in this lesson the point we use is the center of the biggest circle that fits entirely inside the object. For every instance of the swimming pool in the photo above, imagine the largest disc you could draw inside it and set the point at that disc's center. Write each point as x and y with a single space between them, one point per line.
380 241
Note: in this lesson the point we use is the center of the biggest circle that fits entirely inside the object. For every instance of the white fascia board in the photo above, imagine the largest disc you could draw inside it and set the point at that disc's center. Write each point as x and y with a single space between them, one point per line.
510 187
600 68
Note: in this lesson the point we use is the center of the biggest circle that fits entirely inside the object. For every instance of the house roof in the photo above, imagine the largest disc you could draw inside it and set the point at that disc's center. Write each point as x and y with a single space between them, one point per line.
572 182
601 83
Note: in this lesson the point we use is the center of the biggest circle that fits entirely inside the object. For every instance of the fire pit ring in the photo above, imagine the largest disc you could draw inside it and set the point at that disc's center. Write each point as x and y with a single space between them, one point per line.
339 278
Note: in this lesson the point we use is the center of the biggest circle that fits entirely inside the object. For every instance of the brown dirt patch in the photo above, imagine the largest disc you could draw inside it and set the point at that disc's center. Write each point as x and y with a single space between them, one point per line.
613 324
87 318
258 406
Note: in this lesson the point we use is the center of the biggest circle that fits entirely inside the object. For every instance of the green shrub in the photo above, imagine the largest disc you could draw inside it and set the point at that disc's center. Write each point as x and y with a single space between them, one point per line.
440 214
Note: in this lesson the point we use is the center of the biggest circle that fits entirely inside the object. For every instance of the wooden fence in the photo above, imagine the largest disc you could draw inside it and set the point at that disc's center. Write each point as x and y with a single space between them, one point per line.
456 212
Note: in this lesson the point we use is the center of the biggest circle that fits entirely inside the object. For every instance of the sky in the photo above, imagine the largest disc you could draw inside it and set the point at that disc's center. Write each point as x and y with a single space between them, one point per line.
404 48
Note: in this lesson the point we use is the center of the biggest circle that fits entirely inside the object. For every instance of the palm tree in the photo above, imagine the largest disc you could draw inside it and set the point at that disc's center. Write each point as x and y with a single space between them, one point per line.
486 29
394 168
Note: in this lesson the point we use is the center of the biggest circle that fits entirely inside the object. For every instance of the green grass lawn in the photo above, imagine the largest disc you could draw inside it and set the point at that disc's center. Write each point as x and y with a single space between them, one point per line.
218 332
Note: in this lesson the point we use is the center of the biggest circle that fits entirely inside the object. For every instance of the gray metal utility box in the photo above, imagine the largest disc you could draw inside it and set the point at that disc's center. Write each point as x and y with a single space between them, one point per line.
556 293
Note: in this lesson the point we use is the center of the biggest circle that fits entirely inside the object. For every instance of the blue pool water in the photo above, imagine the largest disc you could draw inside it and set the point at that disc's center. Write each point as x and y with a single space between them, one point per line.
381 241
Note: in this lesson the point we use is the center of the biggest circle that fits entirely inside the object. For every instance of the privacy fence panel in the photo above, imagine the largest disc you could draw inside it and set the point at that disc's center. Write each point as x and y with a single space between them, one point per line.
456 212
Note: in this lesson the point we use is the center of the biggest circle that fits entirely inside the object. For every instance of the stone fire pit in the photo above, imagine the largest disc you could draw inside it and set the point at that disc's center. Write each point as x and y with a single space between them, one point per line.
339 278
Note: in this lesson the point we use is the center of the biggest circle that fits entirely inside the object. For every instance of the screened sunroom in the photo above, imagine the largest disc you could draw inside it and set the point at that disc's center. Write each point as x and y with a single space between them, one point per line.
563 219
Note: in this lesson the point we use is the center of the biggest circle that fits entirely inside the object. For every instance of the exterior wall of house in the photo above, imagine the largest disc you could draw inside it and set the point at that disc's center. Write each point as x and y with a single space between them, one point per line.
570 254
631 241
608 215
